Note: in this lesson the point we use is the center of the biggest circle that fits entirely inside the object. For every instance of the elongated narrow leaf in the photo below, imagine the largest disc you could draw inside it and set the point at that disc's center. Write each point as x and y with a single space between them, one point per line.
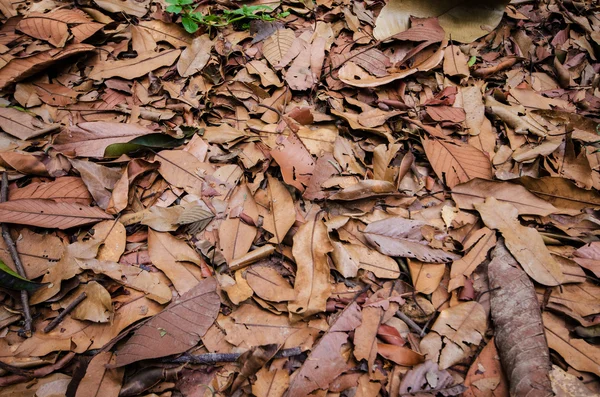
136 67
68 189
455 161
20 68
50 214
176 329
11 280
23 125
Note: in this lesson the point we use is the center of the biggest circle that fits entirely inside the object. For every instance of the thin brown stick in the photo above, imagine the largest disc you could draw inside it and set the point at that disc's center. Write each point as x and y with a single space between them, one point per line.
415 327
37 373
14 254
67 310
215 358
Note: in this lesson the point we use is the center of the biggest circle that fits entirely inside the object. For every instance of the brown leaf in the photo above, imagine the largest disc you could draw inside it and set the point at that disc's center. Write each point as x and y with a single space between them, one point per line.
131 7
90 139
485 376
365 336
477 190
401 237
99 379
562 193
426 277
417 379
446 113
136 67
296 163
99 180
311 245
53 27
461 325
37 252
171 33
18 69
455 62
399 354
518 326
133 277
49 214
282 214
480 243
182 169
277 45
348 258
96 307
195 56
577 353
525 243
456 162
176 259
22 124
271 383
269 284
177 328
305 71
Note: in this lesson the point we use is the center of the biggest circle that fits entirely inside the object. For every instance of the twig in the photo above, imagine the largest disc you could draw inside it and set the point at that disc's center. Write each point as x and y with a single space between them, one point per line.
14 254
37 373
214 358
67 310
415 327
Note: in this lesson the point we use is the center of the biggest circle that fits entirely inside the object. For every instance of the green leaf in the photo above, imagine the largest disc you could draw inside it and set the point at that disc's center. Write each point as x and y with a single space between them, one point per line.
472 61
189 24
159 141
174 9
11 280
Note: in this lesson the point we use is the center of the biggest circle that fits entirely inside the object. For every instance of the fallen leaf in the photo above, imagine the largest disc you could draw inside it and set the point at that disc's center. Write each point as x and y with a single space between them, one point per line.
50 214
136 67
177 328
311 245
195 56
463 21
176 259
96 307
456 162
282 214
269 284
22 124
525 243
426 277
296 163
67 189
98 377
400 355
485 376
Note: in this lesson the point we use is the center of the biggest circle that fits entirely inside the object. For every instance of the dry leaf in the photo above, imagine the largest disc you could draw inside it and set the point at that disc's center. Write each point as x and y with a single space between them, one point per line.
22 124
177 328
463 21
456 162
525 243
136 67
311 245
195 56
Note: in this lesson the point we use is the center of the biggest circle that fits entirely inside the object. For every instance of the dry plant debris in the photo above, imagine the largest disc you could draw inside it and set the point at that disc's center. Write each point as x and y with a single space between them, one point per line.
332 198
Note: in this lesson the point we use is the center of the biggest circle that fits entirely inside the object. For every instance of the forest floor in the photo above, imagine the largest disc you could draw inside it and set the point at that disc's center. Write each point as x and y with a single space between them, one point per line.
330 198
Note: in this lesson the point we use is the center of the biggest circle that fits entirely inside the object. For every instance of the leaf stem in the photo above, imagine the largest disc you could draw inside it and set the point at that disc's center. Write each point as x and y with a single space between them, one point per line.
14 254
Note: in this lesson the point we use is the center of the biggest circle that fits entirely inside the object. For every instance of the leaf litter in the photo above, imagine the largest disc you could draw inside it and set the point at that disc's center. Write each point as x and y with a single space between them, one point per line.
353 198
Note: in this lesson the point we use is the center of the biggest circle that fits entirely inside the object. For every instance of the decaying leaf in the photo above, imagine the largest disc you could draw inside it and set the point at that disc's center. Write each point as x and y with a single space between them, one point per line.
176 329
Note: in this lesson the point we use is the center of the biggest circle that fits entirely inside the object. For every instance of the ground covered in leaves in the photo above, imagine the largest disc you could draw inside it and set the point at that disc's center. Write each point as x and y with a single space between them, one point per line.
346 201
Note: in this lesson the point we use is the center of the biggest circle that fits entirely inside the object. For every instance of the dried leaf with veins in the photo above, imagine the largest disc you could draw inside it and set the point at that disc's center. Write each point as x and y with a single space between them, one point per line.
525 243
177 328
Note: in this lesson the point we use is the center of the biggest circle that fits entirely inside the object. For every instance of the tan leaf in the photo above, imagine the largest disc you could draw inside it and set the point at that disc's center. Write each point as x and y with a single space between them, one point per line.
18 69
426 277
446 113
270 383
266 74
96 307
461 325
401 237
364 189
49 214
235 235
177 328
456 162
133 277
37 252
195 56
131 7
525 243
492 381
269 284
295 161
171 33
576 352
90 139
136 67
354 75
22 124
282 213
515 117
183 169
482 241
400 355
566 384
562 193
463 21
176 259
477 190
365 336
53 26
455 62
99 179
276 46
311 245
348 258
101 378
